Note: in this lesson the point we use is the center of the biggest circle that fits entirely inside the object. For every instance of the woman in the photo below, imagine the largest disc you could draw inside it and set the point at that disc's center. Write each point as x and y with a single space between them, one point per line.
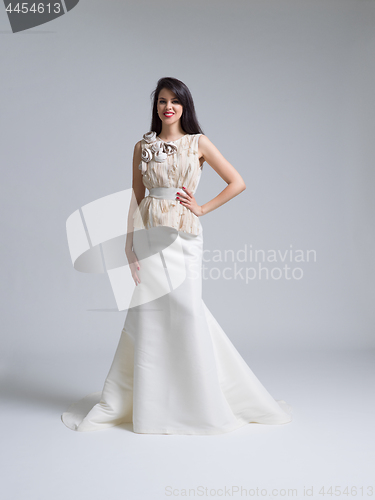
175 371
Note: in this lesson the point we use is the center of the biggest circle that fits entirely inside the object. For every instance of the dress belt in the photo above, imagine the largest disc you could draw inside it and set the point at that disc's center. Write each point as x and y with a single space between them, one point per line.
166 193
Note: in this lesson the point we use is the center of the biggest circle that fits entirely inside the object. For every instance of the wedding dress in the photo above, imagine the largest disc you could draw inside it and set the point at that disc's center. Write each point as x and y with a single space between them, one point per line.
175 371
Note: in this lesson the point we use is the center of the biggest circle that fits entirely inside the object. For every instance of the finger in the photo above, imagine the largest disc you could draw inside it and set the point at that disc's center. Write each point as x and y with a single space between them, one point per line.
182 195
136 279
185 204
189 198
181 199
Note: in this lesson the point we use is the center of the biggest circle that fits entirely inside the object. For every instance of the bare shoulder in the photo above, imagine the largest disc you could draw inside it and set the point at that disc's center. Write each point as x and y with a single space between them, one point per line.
203 140
206 147
137 154
205 143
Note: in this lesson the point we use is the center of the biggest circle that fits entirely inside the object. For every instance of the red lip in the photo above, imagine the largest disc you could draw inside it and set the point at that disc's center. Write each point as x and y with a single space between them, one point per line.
170 114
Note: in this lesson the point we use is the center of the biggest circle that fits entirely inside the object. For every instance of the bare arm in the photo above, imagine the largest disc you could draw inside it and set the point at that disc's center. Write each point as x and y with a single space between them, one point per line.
138 193
226 171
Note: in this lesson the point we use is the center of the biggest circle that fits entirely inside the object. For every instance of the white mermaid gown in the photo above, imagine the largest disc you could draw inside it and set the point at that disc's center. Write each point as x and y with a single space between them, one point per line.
175 371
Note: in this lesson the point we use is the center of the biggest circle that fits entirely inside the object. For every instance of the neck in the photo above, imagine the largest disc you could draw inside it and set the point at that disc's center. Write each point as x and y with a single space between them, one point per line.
171 132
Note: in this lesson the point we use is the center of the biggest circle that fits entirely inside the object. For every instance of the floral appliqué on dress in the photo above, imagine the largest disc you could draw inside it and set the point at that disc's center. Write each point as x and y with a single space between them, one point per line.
159 150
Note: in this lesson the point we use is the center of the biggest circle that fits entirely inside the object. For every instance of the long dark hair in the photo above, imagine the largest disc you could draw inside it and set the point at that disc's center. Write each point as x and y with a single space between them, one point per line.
189 121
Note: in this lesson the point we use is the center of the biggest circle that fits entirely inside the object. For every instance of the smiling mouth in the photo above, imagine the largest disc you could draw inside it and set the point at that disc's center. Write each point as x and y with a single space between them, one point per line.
168 115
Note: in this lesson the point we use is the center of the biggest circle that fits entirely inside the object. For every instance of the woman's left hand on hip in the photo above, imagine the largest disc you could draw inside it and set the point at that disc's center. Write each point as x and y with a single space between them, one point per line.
186 198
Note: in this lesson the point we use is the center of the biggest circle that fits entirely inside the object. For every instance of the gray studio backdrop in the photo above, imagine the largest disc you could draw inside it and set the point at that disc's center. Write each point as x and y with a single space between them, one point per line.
283 88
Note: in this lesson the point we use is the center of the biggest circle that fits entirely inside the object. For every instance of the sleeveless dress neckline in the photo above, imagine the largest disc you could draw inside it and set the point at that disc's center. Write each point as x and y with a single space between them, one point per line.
163 140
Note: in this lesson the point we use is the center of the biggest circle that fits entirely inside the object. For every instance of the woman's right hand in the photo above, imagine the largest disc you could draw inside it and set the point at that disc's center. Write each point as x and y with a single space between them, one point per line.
134 265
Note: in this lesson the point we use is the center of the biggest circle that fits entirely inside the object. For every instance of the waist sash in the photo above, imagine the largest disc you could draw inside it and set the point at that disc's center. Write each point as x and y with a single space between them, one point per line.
166 193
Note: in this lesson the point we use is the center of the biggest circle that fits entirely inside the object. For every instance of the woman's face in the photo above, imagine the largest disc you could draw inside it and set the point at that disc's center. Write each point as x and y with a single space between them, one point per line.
169 107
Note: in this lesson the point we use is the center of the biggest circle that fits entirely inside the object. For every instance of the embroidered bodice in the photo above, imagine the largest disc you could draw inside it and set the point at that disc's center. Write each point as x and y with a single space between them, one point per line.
168 165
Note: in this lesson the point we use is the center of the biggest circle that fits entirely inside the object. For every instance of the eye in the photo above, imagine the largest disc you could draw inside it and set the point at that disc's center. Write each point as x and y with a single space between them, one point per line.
163 101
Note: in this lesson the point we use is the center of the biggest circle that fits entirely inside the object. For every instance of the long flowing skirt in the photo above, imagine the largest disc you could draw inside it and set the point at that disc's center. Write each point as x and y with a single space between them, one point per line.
175 371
